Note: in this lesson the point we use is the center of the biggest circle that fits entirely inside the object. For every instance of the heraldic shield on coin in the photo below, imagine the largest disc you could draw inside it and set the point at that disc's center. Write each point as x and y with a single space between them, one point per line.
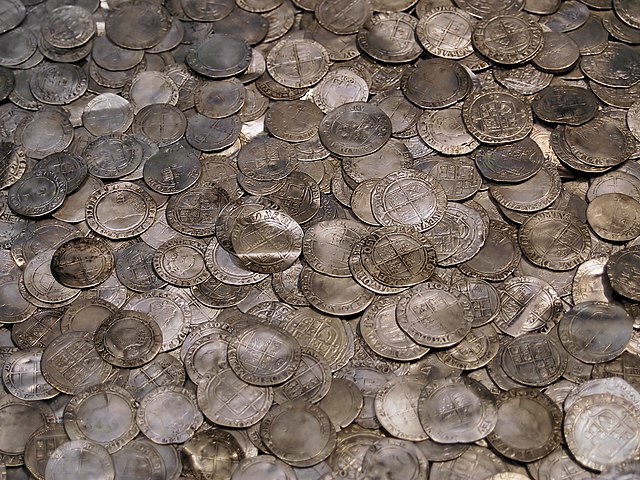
319 239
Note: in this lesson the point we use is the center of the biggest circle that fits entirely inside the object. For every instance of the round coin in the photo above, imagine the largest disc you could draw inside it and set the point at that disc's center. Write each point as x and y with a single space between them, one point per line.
622 272
128 339
169 414
82 262
85 458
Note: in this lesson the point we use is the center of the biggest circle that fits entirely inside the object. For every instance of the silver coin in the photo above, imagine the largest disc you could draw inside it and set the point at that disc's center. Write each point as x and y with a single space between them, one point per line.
85 458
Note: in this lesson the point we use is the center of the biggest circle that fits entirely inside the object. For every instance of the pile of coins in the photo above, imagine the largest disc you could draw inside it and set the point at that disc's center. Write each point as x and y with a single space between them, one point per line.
319 239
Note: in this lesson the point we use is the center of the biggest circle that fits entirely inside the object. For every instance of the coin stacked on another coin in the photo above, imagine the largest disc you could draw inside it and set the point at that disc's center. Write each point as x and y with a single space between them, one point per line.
319 239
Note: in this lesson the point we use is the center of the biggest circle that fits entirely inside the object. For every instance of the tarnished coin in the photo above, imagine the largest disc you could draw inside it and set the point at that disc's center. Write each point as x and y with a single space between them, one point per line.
71 363
600 142
264 355
204 60
169 414
614 217
565 104
266 159
37 193
221 98
514 162
408 197
368 126
14 13
497 116
195 211
554 239
507 38
621 271
104 414
107 113
612 444
128 339
138 459
181 262
293 121
457 410
212 134
82 262
267 241
436 83
212 453
137 25
134 268
528 426
390 37
434 315
595 332
296 446
338 87
163 124
85 458
163 371
40 282
73 168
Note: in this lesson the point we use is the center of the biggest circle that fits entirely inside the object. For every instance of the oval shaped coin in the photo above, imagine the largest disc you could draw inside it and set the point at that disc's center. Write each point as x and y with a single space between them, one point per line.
408 197
434 315
85 458
334 295
511 163
104 414
457 410
169 414
528 304
355 129
128 339
264 355
595 332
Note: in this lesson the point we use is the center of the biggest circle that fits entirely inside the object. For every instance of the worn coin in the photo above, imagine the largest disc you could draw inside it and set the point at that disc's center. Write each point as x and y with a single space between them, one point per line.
86 459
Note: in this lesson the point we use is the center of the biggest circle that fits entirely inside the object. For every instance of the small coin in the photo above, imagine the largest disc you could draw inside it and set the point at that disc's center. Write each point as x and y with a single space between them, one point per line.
614 217
235 60
125 26
445 31
128 339
538 349
621 268
513 163
390 37
37 193
180 262
436 83
508 38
